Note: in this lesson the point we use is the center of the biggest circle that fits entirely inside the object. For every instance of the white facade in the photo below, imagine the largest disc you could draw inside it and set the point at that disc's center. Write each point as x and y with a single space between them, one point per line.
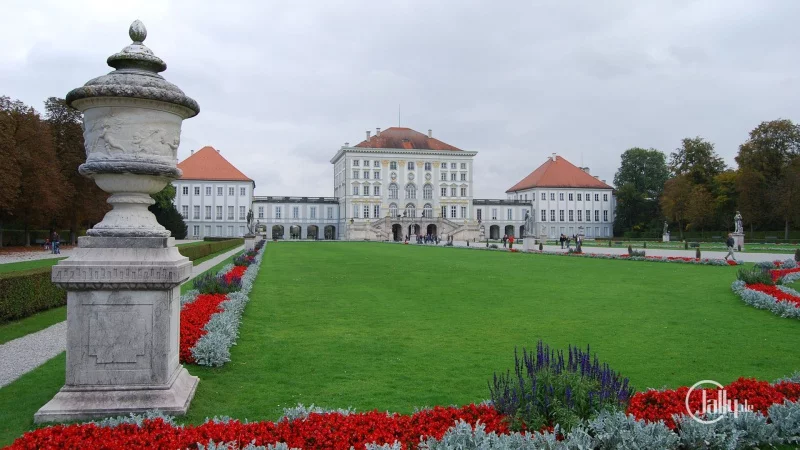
297 217
570 211
214 208
500 218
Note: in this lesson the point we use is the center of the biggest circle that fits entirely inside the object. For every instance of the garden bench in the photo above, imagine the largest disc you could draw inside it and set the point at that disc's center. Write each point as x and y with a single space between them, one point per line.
716 237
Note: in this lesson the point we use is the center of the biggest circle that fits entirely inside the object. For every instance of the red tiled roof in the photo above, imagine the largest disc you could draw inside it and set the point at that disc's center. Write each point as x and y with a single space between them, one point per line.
208 164
558 174
406 139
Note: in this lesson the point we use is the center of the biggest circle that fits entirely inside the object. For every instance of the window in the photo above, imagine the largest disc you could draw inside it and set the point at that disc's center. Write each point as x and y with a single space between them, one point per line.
605 197
443 166
453 176
219 212
219 230
242 213
579 198
463 212
597 197
366 174
393 191
427 210
411 210
230 212
185 211
494 213
411 165
444 192
230 191
453 211
197 190
561 196
463 166
411 191
570 196
260 212
295 212
560 215
366 163
393 209
208 190
579 213
393 165
452 192
196 230
277 212
427 192
208 213
444 176
597 215
355 163
219 190
453 166
355 174
366 211
552 215
376 175
463 192
544 216
480 213
355 190
355 211
463 177
196 212
571 214
605 216
588 216
376 191
376 211
544 196
186 190
552 196
427 166
510 214
376 163
242 192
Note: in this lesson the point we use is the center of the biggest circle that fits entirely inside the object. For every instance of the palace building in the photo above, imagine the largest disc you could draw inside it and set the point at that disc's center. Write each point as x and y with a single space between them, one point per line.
395 183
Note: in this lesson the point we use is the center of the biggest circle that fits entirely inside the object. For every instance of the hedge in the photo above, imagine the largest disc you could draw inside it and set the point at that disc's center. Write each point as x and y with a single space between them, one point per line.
13 238
27 292
197 251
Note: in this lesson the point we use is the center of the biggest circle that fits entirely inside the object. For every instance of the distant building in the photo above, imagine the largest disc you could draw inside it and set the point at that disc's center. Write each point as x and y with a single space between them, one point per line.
566 199
212 195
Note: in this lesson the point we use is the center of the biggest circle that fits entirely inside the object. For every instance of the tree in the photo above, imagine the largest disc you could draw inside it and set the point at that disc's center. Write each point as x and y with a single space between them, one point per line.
726 197
631 205
752 189
166 213
785 198
10 177
83 201
675 200
645 169
697 159
700 211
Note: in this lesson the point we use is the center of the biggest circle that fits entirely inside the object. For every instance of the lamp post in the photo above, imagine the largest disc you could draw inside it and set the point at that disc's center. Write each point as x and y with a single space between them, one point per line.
123 281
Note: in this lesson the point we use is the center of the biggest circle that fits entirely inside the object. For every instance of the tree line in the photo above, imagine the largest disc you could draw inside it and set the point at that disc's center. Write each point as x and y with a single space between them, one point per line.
40 187
695 190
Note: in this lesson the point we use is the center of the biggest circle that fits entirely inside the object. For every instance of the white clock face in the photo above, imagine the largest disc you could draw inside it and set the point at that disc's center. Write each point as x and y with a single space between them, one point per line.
410 176
394 175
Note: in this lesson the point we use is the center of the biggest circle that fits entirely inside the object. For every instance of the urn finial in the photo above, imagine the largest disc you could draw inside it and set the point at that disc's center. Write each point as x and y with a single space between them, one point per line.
137 31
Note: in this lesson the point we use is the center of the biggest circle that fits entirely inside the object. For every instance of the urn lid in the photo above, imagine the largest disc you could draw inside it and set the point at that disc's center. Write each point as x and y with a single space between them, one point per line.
136 76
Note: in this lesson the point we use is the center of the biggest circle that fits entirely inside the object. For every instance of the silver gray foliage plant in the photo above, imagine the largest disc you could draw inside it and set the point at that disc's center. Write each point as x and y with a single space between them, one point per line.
211 445
761 300
135 419
302 412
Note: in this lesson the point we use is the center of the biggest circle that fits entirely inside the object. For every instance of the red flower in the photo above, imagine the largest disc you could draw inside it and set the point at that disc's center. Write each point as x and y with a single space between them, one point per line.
780 273
778 294
194 317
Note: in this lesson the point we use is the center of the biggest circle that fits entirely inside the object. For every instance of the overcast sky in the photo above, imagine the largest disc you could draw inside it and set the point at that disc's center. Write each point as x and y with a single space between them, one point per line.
282 85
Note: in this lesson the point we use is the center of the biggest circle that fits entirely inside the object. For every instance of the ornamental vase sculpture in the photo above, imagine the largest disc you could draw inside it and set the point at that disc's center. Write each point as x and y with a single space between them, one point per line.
123 281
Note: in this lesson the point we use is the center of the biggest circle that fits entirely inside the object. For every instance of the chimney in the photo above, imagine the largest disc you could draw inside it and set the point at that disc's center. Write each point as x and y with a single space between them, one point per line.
554 157
604 181
367 134
597 177
192 153
218 151
347 144
430 133
377 132
585 169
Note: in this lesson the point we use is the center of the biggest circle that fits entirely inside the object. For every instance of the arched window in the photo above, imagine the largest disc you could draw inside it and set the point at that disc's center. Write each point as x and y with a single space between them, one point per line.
427 211
411 210
411 190
393 191
427 192
393 209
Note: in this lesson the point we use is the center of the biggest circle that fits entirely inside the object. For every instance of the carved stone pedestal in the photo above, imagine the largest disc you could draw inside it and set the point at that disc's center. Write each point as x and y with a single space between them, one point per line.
665 237
249 242
123 313
738 241
528 243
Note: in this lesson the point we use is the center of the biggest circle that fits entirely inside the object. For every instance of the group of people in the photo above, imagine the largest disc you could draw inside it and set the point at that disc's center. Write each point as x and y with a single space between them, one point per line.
508 239
565 239
425 239
53 244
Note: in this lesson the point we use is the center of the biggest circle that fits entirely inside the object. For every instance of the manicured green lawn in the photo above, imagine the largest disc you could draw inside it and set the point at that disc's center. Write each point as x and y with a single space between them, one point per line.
392 327
25 265
32 324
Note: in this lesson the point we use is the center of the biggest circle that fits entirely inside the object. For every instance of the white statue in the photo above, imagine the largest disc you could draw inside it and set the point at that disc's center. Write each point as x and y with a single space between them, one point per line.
737 220
666 227
528 224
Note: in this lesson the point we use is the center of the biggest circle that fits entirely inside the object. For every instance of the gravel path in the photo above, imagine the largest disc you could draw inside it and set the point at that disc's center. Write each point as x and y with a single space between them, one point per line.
24 354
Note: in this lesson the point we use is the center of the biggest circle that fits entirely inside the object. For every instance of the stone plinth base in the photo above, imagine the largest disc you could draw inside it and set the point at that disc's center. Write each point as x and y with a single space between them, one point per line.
528 243
738 241
249 243
82 404
665 238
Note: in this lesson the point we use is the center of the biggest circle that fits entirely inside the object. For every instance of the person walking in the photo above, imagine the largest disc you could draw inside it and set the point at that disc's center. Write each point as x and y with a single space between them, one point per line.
567 242
561 241
730 243
511 241
56 243
505 237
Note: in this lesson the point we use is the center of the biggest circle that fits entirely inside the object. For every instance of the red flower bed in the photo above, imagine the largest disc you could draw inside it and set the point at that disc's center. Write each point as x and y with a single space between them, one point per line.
775 292
318 431
780 273
653 406
194 317
236 272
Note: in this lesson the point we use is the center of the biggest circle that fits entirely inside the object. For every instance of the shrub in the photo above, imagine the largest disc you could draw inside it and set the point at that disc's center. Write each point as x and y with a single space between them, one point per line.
685 245
208 283
245 259
637 253
197 251
448 244
797 255
754 275
548 389
630 250
27 292
541 247
645 244
493 246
